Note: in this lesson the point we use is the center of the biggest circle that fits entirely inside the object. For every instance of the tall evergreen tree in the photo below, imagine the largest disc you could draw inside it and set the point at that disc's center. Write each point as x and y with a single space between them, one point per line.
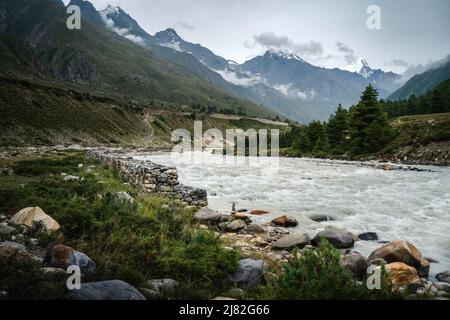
338 130
370 127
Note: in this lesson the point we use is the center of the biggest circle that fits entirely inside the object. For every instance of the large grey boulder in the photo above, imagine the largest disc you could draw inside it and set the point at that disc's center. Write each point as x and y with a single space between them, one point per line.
250 273
206 215
339 238
106 290
356 264
292 240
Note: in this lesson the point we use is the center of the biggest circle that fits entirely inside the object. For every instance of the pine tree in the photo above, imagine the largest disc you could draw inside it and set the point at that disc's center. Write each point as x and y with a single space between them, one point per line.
338 130
370 128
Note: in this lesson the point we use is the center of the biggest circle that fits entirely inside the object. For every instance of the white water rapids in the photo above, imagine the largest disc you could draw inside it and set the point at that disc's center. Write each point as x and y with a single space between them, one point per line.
409 205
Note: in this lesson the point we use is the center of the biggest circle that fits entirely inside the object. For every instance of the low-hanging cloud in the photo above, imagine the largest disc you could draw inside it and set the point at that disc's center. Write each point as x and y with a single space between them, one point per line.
270 40
349 54
123 32
398 63
421 68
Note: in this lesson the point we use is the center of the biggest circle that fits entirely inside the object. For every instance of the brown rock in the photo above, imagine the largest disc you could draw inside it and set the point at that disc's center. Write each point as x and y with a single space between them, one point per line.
399 251
28 216
59 256
285 221
258 212
401 274
243 217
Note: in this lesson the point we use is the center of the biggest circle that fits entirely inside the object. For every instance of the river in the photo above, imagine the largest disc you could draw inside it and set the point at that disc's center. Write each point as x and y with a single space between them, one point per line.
397 204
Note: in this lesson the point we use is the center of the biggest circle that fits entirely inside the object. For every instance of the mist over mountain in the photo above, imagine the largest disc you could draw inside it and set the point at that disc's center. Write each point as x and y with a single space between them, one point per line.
423 82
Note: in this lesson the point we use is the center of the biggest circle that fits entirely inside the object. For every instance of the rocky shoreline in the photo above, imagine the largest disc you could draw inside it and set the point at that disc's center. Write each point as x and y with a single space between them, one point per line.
277 243
271 244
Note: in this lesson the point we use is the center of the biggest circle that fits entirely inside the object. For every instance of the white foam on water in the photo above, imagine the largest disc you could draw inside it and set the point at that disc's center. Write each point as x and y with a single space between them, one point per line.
409 205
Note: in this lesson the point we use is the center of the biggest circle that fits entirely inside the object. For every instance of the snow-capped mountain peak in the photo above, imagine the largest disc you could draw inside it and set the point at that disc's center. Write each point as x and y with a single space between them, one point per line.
362 67
283 54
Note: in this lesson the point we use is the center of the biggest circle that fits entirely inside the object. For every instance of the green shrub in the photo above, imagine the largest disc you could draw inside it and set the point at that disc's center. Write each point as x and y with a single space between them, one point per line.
318 275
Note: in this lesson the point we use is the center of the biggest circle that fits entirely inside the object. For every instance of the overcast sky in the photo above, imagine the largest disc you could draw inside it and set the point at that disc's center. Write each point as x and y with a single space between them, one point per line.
327 33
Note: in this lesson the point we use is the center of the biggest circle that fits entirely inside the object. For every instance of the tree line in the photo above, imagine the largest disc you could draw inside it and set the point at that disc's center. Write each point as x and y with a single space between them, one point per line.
435 101
362 129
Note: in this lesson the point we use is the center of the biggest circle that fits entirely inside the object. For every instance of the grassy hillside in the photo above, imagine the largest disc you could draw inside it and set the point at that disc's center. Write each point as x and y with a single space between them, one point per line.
37 44
35 114
420 139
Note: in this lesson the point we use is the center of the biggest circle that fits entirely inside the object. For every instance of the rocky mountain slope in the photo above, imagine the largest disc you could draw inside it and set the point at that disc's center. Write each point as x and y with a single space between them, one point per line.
280 80
38 45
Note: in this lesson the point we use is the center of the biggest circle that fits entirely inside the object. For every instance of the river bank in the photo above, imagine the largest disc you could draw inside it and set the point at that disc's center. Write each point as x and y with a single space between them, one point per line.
274 237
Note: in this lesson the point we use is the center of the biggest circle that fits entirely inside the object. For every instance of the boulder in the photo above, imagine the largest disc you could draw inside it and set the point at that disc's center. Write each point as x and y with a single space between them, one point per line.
28 216
443 286
368 236
233 226
356 264
292 240
444 276
254 228
250 273
285 221
321 218
399 251
339 238
10 247
123 197
401 274
106 290
241 216
206 215
6 231
61 256
258 212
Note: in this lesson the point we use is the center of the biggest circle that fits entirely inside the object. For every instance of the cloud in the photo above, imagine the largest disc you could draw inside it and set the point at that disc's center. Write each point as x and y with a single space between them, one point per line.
397 63
288 90
421 68
270 40
123 32
349 53
185 25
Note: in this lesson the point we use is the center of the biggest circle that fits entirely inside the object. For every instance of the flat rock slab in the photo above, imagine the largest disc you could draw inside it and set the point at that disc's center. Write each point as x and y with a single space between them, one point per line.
207 215
107 290
292 240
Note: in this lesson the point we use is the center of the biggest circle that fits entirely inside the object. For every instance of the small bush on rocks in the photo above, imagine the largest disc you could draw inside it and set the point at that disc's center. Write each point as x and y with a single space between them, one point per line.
318 275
